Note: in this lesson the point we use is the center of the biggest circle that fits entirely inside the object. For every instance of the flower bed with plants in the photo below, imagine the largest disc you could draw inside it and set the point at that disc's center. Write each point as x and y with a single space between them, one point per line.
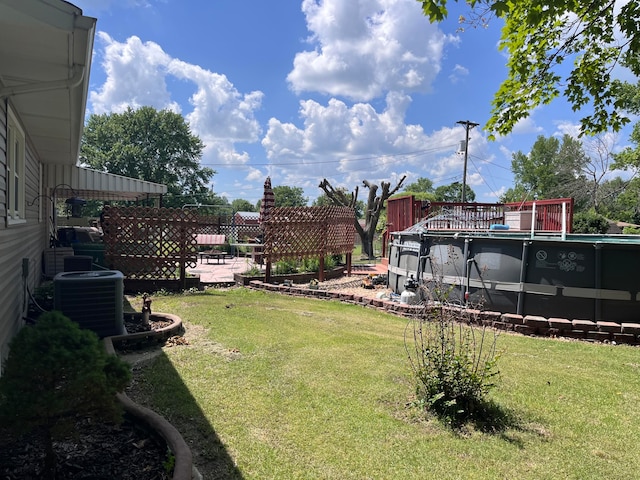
293 271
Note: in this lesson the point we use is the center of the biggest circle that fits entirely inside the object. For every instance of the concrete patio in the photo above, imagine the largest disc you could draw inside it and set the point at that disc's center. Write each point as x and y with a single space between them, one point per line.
212 272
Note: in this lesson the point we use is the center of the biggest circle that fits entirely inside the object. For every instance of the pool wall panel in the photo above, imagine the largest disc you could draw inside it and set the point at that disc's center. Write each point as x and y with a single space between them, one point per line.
576 278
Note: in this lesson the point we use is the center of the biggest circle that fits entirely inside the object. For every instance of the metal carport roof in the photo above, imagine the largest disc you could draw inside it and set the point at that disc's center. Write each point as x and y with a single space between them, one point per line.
70 181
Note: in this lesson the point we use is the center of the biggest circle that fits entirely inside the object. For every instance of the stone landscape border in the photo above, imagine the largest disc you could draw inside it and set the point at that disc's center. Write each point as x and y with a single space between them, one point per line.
139 339
587 330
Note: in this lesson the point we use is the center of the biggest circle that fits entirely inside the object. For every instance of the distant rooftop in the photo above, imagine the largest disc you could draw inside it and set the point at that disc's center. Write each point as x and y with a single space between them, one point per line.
249 215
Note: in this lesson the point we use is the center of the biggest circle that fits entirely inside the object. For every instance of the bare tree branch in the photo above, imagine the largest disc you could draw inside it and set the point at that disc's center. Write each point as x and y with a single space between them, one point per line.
375 204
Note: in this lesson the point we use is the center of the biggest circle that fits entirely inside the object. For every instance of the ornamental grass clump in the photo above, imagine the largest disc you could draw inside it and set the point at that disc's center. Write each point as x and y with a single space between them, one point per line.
454 364
57 373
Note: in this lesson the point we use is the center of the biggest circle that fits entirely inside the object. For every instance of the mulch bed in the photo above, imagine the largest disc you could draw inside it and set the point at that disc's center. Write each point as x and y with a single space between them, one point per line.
133 323
99 451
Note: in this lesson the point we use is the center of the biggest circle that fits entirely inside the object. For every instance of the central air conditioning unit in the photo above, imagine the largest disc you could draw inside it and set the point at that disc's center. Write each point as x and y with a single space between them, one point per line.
92 299
54 260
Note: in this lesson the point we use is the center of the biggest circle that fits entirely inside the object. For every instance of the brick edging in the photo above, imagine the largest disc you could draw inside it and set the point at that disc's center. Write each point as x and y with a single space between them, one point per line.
587 330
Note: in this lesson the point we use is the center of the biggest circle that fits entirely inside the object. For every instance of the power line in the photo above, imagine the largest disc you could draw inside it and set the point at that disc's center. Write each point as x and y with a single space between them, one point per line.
484 180
489 162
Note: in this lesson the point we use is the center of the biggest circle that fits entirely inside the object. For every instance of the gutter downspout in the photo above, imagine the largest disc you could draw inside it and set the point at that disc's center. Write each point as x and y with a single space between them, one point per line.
67 83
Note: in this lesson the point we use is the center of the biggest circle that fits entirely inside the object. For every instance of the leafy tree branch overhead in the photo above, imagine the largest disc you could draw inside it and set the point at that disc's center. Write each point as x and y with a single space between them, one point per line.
541 37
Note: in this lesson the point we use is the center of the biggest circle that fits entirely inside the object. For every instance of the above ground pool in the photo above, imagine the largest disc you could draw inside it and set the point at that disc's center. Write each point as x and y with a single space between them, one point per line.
590 277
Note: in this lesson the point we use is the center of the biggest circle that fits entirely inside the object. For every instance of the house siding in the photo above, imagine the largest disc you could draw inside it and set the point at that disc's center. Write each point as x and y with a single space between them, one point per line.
19 241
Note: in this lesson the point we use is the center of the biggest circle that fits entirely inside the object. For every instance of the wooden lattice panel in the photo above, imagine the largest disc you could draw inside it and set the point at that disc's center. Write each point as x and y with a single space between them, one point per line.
308 232
149 243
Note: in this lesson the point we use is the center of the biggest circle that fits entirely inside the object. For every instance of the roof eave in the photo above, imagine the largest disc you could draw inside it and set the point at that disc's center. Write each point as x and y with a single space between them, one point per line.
47 85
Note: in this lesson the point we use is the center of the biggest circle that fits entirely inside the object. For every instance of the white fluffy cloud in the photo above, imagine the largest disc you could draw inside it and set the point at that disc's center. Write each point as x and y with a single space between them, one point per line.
220 111
527 125
378 51
457 73
347 144
363 49
137 75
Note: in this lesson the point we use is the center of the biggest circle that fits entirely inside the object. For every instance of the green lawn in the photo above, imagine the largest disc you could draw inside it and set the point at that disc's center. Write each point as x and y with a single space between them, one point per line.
291 388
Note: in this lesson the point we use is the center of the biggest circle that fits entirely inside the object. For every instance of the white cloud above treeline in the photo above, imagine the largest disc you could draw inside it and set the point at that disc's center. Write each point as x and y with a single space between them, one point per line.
353 78
137 75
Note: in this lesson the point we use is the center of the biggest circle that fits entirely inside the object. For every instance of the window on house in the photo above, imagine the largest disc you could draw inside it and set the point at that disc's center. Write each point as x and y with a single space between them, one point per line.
15 170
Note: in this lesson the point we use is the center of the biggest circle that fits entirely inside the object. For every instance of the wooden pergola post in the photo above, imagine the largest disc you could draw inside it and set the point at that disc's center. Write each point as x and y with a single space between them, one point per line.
267 273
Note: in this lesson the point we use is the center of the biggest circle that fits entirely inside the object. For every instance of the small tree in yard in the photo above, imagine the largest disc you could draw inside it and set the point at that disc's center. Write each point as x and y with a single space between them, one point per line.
454 366
55 374
453 360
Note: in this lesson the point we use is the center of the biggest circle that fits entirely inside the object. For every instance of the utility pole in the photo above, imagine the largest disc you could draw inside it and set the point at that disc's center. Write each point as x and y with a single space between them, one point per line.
468 126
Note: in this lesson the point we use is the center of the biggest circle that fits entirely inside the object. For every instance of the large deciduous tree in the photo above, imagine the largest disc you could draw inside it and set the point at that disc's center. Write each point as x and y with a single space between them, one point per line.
375 205
540 37
553 169
567 167
629 160
619 199
151 145
242 205
599 151
324 201
421 185
286 196
453 193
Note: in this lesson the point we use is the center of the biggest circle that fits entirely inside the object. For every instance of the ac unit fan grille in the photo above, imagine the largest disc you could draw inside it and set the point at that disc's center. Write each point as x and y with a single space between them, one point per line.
95 304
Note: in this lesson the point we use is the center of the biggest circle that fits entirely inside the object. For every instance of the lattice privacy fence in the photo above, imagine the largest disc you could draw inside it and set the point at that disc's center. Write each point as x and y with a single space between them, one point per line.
150 243
308 232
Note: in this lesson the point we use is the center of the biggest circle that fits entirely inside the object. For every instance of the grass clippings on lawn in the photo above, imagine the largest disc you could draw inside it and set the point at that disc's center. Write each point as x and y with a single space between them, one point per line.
273 387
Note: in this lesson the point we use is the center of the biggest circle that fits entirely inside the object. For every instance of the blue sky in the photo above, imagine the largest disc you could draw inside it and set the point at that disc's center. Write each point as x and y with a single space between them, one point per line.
305 90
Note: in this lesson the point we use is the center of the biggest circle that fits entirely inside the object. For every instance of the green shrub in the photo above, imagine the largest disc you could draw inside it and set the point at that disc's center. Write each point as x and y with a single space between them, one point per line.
312 265
330 262
55 373
631 230
590 222
453 360
454 364
254 271
284 267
